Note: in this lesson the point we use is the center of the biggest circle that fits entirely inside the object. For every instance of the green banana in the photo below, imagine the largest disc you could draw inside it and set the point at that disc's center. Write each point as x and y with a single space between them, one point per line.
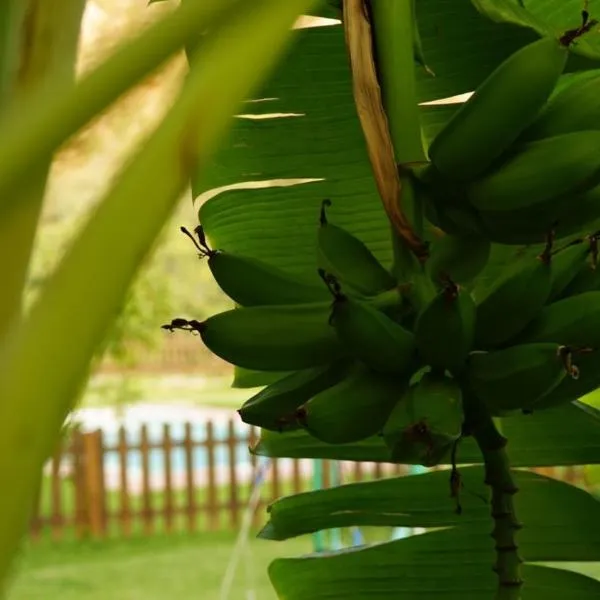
581 215
445 329
349 260
499 110
354 409
574 321
371 336
518 227
252 282
457 257
507 306
426 421
546 171
576 107
587 278
566 263
531 225
516 377
274 407
270 338
573 388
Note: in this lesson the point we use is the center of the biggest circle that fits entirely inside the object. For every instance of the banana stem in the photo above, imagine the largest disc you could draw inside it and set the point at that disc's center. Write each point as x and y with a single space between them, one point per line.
393 33
374 122
39 47
498 476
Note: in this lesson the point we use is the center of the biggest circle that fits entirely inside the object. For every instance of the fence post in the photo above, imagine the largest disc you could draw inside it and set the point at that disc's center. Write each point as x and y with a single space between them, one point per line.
190 491
234 504
79 483
93 455
125 514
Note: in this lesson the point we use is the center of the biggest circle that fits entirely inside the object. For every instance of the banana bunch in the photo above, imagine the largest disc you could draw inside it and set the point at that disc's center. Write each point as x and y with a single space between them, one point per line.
364 350
519 159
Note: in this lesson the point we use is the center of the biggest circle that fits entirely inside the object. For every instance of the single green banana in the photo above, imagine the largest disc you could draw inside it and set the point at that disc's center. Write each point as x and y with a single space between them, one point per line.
252 282
426 421
371 336
574 321
532 225
274 407
573 388
582 215
539 173
499 110
270 338
516 377
354 409
507 306
576 107
587 278
349 260
445 329
457 257
566 263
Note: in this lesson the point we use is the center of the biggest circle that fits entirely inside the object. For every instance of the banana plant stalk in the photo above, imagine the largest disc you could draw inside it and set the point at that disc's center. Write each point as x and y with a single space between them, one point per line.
46 355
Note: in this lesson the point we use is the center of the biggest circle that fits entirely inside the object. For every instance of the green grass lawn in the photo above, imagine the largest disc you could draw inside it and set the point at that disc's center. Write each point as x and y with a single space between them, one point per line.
215 392
154 568
159 567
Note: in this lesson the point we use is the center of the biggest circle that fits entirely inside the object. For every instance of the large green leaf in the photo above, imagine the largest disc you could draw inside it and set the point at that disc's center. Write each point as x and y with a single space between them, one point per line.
565 435
423 501
454 564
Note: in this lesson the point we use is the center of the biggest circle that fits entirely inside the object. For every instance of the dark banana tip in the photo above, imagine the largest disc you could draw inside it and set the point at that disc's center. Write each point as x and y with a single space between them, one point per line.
201 244
185 325
323 217
301 415
333 285
587 24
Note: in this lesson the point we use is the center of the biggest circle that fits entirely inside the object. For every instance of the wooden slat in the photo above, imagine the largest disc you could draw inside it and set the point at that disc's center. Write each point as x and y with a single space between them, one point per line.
326 474
275 479
168 495
253 437
94 478
56 499
212 511
190 504
36 512
147 512
358 471
378 471
232 467
124 500
77 460
296 476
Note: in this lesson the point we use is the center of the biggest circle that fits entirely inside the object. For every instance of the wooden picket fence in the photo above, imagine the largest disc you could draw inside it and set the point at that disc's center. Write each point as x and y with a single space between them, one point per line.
166 481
